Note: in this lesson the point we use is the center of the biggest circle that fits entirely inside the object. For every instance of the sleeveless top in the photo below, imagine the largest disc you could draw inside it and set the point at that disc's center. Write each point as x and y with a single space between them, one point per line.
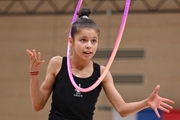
69 103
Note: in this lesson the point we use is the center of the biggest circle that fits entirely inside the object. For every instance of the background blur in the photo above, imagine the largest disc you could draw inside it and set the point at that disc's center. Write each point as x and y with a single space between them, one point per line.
148 54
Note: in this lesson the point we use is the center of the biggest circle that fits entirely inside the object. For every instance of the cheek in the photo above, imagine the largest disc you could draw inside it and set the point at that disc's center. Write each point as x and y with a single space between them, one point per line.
77 47
95 48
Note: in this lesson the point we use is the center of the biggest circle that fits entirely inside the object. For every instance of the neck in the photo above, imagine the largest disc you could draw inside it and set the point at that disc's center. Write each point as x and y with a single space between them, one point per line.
79 64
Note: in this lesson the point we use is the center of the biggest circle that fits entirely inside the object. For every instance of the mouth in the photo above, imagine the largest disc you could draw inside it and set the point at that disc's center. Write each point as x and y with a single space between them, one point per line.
87 52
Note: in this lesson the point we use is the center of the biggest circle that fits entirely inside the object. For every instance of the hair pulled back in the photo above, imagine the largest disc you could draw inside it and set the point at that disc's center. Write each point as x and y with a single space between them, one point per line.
83 22
84 12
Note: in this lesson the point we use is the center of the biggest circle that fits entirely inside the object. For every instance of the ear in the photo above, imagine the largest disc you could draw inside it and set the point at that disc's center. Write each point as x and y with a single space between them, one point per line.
71 41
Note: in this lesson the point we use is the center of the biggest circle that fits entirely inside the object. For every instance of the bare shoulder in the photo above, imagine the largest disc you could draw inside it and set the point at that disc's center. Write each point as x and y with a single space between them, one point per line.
55 64
56 59
102 68
108 77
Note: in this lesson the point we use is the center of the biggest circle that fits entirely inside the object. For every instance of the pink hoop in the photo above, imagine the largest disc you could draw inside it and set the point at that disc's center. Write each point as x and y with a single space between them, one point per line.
116 45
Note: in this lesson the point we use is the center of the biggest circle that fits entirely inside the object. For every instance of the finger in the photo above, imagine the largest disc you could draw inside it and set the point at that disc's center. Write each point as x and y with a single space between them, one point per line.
164 109
29 53
166 106
157 89
157 113
34 54
38 64
39 56
167 100
41 62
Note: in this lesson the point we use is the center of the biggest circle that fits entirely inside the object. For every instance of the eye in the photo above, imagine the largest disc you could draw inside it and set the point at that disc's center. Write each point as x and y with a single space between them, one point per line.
83 40
94 41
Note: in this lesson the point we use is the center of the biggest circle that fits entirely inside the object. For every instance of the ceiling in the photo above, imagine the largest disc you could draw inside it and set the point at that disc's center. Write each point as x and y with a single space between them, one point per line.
66 7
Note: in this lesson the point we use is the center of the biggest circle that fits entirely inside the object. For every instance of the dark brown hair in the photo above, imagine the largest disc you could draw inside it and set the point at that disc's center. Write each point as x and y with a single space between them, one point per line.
83 22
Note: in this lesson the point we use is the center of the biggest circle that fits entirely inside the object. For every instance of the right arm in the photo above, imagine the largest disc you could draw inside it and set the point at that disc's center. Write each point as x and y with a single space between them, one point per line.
40 93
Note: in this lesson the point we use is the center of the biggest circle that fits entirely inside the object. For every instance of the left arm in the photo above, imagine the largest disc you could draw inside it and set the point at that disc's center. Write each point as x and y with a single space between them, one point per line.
154 100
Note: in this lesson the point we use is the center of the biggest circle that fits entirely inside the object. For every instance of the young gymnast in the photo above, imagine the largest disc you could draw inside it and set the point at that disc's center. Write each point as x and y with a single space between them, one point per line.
69 103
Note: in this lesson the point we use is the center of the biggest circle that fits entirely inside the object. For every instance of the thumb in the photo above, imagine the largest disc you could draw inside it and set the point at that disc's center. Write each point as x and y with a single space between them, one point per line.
41 62
156 89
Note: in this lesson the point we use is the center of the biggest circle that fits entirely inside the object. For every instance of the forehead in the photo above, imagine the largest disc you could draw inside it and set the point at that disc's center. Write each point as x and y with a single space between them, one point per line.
87 32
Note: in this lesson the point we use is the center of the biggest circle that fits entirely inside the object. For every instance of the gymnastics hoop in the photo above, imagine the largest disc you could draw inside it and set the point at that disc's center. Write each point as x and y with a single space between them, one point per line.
116 45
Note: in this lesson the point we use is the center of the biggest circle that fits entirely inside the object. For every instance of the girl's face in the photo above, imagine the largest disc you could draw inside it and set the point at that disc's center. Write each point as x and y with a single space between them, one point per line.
85 43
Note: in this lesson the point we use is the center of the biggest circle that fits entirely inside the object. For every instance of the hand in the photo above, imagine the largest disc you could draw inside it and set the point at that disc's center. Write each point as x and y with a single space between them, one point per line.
155 102
35 60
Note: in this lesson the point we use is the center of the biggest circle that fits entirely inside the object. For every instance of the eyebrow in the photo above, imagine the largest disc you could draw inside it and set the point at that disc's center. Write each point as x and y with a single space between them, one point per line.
86 37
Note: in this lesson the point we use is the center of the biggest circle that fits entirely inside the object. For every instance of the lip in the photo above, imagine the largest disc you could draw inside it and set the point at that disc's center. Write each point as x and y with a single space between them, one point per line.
87 53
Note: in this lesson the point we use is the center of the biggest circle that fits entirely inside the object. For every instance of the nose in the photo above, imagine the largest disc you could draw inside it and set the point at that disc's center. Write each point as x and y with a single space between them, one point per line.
89 44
